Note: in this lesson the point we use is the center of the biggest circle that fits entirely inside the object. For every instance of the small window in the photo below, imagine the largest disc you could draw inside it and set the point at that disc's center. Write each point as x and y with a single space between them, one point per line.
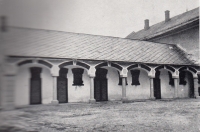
182 78
171 80
78 73
120 79
135 77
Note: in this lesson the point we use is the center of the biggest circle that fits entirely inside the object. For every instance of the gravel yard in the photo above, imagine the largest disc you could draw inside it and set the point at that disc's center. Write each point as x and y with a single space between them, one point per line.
156 116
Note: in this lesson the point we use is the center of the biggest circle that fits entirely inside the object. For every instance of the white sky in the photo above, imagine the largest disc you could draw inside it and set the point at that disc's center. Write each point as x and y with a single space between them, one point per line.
100 17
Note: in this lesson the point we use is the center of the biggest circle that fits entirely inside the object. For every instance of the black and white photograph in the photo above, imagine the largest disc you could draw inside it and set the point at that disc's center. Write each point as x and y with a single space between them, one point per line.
99 66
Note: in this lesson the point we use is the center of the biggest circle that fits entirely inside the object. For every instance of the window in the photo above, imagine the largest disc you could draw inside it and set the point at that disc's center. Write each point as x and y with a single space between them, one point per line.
135 77
171 80
120 80
198 78
182 78
78 73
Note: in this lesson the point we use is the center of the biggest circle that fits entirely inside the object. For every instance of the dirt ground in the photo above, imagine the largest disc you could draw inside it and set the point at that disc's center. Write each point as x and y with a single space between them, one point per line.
155 116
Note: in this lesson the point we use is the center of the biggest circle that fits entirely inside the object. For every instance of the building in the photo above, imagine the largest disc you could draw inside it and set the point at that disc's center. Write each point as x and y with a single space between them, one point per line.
51 67
182 29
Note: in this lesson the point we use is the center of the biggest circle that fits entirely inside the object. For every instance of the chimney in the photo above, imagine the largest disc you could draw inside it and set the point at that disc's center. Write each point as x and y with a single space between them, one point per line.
146 24
3 24
167 16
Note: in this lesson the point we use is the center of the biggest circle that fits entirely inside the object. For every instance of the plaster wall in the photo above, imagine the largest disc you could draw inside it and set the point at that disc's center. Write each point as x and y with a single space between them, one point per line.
22 83
167 91
78 93
184 90
114 90
141 91
82 93
188 39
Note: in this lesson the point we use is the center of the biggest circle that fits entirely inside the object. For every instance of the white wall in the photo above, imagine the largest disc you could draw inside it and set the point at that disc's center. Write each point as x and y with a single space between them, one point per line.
167 91
82 93
78 93
114 90
183 90
188 39
141 91
22 83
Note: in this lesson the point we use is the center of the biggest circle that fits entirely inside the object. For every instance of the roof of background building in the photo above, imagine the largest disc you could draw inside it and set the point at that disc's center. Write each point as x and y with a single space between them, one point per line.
56 44
163 27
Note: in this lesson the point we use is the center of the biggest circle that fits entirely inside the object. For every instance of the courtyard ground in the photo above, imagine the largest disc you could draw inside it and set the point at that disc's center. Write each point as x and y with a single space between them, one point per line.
150 116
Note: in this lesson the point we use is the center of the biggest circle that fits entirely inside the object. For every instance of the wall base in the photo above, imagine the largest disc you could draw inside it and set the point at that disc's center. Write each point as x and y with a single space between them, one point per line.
198 97
152 98
92 101
124 100
54 102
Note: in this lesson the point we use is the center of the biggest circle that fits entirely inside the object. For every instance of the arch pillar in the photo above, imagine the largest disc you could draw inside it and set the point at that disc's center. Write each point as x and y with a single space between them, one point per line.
151 75
8 96
175 76
196 92
55 74
124 74
91 73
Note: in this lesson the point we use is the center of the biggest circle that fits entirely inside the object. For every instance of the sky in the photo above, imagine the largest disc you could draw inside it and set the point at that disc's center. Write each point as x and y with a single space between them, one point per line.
116 18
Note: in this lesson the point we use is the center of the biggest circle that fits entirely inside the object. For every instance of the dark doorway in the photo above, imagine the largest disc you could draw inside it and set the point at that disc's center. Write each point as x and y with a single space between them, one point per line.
35 85
156 82
191 84
101 85
62 86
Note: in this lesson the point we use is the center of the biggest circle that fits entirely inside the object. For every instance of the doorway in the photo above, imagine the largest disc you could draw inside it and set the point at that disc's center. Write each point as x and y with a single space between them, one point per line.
157 88
62 86
35 85
191 84
101 85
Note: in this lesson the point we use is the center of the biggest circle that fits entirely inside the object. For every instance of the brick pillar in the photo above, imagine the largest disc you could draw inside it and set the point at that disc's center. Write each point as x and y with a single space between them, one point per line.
151 88
92 100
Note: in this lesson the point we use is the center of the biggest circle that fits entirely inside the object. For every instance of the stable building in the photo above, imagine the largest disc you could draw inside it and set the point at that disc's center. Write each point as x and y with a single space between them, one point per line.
52 67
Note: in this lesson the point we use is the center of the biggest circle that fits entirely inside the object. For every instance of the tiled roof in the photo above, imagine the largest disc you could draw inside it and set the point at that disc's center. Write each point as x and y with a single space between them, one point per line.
55 44
163 27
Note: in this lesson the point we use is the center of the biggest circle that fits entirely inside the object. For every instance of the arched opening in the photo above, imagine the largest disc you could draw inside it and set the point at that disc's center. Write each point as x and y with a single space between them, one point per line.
81 64
185 84
78 84
33 83
108 79
138 84
163 82
78 88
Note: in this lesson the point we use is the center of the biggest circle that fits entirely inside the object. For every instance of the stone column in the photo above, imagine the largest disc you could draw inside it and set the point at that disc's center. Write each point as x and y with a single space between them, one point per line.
92 100
176 87
91 73
55 100
151 89
196 93
55 73
124 98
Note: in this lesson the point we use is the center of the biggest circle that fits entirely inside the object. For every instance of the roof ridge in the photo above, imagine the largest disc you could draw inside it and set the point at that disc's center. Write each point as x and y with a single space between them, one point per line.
127 39
30 28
